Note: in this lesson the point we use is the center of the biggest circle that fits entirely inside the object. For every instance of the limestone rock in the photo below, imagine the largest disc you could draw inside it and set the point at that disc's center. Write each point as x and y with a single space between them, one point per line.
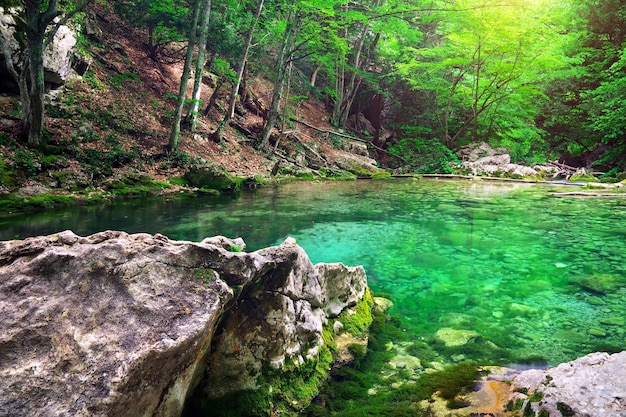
589 386
481 159
599 283
213 177
278 320
110 324
57 56
357 164
121 325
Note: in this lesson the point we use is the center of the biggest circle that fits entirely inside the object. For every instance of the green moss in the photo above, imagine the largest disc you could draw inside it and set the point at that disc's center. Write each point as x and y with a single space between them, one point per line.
382 175
8 176
451 381
12 203
235 248
535 397
357 323
205 274
289 391
178 181
280 393
135 185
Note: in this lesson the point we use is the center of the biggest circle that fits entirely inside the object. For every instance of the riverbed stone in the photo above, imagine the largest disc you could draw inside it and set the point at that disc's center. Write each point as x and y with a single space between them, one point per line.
115 324
613 321
594 331
453 337
599 283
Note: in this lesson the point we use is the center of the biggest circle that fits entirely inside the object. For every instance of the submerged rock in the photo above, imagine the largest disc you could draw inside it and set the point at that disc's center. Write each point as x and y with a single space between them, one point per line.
599 283
452 337
121 325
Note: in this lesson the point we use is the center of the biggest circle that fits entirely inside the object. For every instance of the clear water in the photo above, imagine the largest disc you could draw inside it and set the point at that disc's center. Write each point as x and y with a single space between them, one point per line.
500 260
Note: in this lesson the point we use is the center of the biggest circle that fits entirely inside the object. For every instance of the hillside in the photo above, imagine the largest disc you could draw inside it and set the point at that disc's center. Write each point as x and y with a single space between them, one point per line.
115 121
404 96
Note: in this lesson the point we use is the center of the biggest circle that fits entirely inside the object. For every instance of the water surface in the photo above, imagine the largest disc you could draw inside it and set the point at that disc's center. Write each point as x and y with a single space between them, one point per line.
528 276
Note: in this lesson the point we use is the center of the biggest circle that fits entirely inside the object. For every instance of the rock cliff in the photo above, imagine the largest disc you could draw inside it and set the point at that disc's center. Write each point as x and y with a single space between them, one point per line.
128 325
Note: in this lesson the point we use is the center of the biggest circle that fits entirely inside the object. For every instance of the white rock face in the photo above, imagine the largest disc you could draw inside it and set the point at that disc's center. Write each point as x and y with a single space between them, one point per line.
481 159
121 325
591 386
57 56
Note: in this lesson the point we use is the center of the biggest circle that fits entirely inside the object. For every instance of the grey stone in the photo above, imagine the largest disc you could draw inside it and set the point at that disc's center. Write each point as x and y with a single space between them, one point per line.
121 325
589 386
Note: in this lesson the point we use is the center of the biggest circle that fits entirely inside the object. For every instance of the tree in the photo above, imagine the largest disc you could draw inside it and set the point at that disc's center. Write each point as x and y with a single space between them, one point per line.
200 63
35 30
184 79
165 21
230 113
493 59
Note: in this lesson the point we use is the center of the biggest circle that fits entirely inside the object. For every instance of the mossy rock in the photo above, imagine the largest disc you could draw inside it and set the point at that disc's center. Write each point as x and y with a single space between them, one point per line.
8 176
212 177
600 283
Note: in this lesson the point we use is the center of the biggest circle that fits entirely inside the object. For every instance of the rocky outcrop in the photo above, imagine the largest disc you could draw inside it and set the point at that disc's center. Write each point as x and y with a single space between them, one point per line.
122 325
480 159
57 56
586 387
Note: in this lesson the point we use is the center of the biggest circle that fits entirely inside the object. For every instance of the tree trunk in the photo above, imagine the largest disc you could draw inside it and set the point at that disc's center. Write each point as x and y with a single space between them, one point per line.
184 79
39 15
230 113
200 63
36 24
291 31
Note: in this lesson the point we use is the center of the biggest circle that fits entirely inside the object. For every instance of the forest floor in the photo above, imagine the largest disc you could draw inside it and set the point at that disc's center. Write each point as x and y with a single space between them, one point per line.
121 112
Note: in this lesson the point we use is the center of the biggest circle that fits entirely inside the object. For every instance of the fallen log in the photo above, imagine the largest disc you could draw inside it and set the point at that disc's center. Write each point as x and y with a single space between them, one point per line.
585 194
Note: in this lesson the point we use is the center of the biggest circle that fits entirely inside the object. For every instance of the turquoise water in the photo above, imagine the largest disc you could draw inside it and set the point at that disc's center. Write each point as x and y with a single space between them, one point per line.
521 276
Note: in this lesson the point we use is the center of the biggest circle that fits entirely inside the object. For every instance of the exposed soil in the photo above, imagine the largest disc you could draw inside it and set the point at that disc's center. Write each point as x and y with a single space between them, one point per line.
126 100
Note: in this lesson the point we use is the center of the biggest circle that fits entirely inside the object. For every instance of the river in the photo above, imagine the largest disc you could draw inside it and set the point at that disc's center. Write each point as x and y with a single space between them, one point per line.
520 276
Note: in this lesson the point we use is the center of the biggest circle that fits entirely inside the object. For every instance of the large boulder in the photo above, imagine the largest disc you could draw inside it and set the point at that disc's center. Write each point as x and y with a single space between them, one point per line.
589 386
280 317
121 325
57 56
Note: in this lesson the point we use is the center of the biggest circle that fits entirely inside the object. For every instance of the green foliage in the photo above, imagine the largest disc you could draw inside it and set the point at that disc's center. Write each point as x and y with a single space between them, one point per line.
119 79
166 21
8 176
100 163
425 156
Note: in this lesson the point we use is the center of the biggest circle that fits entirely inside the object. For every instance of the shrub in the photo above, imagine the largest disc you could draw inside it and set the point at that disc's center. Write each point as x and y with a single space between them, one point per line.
425 156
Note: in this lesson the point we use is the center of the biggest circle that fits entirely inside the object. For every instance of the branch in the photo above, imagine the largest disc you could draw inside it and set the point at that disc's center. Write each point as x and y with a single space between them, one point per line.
343 135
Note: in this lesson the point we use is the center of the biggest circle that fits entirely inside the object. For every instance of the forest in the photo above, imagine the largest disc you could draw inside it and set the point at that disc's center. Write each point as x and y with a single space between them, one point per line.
414 79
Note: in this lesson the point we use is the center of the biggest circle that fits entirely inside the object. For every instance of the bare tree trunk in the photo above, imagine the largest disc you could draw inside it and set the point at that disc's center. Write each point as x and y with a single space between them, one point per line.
184 79
200 63
230 113
279 82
